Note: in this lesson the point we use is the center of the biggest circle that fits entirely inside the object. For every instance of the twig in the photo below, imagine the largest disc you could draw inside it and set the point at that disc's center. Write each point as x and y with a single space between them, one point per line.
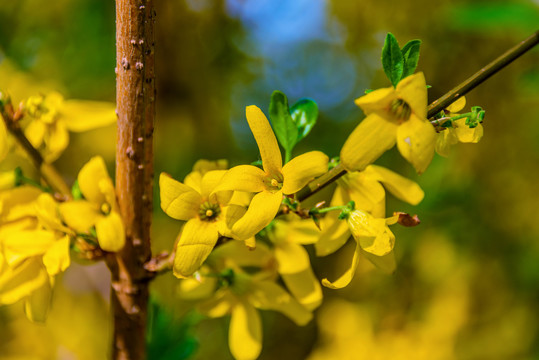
318 184
48 171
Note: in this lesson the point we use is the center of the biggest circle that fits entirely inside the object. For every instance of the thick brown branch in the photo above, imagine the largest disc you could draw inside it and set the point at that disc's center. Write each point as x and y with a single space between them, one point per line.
135 97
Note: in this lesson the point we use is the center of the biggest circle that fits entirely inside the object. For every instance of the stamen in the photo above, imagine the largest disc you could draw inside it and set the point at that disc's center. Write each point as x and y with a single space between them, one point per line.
400 109
274 183
209 213
105 208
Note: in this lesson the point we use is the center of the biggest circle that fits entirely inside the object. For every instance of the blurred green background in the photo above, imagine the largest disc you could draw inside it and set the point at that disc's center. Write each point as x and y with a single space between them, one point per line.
467 285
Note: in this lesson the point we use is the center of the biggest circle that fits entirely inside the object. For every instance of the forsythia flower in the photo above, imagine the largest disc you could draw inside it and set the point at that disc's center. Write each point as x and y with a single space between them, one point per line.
99 208
293 261
52 118
203 209
34 248
393 115
372 236
366 190
458 132
271 183
243 294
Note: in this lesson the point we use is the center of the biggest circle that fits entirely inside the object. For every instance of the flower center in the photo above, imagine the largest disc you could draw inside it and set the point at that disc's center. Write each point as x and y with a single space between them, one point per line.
209 211
401 110
274 182
105 208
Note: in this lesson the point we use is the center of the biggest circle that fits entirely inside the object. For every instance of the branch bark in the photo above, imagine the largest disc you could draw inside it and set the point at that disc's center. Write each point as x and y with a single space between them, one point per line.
135 98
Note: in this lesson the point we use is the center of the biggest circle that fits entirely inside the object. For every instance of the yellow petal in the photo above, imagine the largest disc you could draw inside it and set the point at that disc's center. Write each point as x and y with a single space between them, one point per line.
56 259
89 177
403 188
84 115
243 178
3 141
385 263
203 166
302 232
267 295
219 305
229 216
35 133
80 215
372 233
444 140
416 140
196 243
245 334
197 289
465 134
302 169
413 90
110 232
209 182
178 201
348 275
37 303
242 256
376 101
370 139
261 211
457 105
26 243
292 258
380 245
272 161
194 181
366 192
56 142
335 232
20 281
305 287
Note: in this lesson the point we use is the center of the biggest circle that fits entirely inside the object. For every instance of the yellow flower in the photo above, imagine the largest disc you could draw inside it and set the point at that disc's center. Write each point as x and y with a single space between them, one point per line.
366 190
203 209
52 118
293 261
271 183
372 236
245 293
99 208
459 132
393 115
34 248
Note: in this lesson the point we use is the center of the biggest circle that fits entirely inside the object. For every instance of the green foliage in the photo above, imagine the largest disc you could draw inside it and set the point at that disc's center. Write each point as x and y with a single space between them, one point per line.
291 125
281 120
75 191
392 59
410 54
168 339
304 114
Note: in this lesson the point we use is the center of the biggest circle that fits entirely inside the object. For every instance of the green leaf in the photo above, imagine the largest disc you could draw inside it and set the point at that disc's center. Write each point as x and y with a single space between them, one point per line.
283 125
410 54
75 191
304 114
392 59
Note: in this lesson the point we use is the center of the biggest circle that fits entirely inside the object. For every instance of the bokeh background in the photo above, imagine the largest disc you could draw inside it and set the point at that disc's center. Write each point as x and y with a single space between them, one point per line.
467 284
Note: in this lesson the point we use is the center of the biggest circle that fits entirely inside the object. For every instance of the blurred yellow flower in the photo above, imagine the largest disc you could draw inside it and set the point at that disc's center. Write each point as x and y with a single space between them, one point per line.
34 248
372 236
271 183
52 117
293 261
393 115
99 207
243 294
458 132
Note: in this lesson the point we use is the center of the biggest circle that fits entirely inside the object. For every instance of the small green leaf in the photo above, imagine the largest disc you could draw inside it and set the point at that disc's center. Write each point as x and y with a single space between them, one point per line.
392 59
304 113
410 54
283 125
